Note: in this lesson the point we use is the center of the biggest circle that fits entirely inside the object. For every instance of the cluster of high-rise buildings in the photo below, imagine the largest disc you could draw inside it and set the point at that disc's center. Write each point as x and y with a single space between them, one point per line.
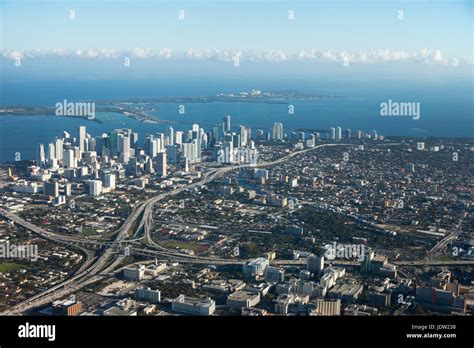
99 161
336 133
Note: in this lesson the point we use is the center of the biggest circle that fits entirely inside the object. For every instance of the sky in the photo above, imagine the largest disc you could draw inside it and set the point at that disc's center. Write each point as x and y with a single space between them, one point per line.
290 32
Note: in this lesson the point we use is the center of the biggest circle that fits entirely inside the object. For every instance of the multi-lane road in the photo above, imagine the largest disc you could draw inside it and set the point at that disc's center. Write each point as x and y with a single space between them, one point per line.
443 243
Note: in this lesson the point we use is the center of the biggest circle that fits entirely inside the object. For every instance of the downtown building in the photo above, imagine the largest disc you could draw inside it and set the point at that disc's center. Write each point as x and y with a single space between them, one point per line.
193 306
277 131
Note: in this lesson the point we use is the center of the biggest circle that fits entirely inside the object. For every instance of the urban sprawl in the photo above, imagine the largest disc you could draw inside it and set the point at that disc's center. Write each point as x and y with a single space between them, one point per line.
239 221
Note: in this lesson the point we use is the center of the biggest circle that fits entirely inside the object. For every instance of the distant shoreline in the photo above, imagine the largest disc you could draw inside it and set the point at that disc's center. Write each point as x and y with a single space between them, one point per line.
128 106
270 97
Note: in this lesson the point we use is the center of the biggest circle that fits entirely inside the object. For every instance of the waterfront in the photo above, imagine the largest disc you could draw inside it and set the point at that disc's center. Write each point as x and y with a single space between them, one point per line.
438 118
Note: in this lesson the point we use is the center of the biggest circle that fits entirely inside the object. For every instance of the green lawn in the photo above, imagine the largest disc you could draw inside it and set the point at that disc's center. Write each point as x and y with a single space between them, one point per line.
9 266
171 244
89 231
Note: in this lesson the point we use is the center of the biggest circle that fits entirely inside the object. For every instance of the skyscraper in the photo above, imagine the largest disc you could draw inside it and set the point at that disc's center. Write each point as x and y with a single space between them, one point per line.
188 152
338 133
151 146
124 148
90 144
59 149
51 154
82 138
170 133
243 135
197 148
161 166
277 133
236 140
178 137
95 187
315 264
332 133
109 180
40 159
68 158
348 133
172 152
99 145
148 167
215 134
161 141
133 140
51 188
228 152
226 123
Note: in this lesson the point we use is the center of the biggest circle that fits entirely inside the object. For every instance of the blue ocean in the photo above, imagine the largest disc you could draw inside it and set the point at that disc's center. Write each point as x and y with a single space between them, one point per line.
446 111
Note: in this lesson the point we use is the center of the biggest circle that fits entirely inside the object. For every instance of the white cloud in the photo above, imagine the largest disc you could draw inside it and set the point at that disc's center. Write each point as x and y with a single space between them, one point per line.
165 53
275 56
92 54
142 52
216 55
424 56
13 55
108 53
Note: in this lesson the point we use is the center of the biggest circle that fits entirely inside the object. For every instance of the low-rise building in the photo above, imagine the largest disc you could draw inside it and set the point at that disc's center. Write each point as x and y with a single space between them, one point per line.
253 312
66 307
134 273
327 307
147 294
274 274
243 298
193 306
347 292
255 267
379 298
440 300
